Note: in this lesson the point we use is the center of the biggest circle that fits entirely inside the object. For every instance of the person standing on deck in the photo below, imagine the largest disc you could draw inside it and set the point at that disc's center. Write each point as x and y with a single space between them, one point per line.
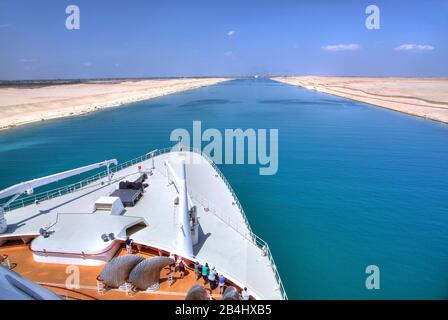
221 283
212 278
129 244
205 272
245 295
196 270
173 265
181 266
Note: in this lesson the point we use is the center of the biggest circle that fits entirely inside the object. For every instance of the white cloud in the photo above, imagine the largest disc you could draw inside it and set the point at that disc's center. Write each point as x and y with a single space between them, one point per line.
414 47
228 53
231 33
5 25
87 64
117 65
26 60
341 47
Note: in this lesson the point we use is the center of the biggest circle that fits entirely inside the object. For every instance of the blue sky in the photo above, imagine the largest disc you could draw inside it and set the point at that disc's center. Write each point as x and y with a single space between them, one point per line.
219 37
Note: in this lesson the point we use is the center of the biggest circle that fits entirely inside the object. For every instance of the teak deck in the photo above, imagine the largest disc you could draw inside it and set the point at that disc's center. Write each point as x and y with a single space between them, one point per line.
56 276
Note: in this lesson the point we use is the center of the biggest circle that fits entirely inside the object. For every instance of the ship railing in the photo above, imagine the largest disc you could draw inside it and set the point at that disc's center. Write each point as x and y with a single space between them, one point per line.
244 232
265 248
210 161
236 224
50 194
54 193
248 234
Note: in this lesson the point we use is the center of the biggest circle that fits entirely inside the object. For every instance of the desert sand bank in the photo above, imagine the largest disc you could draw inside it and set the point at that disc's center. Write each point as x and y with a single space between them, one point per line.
25 105
422 97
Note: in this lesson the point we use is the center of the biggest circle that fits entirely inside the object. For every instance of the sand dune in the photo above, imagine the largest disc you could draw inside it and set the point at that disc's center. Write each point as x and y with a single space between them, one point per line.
422 97
25 105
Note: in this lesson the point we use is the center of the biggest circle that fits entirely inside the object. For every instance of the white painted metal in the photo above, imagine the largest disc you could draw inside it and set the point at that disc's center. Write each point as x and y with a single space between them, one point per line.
80 260
110 205
175 178
184 240
28 186
83 239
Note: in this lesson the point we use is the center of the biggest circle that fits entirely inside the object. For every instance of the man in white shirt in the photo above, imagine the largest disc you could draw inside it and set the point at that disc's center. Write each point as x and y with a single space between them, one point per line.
245 295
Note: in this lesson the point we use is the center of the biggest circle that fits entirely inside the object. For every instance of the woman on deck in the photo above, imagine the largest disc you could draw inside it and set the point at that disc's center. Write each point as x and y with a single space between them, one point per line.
205 270
181 266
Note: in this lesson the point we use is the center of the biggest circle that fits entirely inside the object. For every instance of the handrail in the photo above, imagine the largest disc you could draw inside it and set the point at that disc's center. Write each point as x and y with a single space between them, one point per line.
50 194
250 236
260 243
32 199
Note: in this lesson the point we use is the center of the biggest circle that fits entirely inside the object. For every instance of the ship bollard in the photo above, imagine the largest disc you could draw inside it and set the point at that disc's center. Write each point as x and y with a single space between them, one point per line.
127 288
100 287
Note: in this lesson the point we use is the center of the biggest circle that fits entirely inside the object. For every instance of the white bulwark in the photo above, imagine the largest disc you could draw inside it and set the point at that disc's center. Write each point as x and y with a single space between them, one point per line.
84 239
183 204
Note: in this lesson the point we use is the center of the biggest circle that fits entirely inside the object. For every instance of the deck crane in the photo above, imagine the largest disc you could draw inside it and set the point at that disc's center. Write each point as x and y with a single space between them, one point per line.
28 187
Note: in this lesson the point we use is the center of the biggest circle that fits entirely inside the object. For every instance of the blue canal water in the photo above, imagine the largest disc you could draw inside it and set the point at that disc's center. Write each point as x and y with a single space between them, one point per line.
356 186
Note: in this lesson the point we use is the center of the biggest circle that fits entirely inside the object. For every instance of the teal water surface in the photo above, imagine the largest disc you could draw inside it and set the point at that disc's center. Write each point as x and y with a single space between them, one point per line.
356 186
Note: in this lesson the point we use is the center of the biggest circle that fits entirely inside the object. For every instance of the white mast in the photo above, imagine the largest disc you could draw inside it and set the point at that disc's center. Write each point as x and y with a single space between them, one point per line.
28 186
184 241
184 238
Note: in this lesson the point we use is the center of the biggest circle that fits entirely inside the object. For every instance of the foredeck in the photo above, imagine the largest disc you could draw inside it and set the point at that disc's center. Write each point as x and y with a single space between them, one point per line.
226 240
54 277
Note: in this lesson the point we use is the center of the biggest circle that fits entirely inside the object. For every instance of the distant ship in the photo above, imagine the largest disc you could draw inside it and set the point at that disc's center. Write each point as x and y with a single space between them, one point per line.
171 203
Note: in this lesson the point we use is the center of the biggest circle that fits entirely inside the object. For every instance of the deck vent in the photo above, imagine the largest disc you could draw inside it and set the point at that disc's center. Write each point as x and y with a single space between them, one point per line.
109 205
106 237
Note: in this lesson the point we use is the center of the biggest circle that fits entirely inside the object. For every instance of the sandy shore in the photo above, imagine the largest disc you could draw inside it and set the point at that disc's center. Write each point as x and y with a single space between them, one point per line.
422 97
25 105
